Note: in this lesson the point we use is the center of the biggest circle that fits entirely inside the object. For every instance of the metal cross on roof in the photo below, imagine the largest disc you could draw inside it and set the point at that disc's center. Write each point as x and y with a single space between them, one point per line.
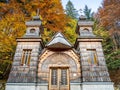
37 12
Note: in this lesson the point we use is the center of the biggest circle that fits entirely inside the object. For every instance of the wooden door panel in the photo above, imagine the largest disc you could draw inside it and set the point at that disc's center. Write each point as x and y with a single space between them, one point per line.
59 79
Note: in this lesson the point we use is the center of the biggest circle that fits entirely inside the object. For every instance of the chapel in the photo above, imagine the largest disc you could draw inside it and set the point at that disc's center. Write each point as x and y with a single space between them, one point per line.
59 65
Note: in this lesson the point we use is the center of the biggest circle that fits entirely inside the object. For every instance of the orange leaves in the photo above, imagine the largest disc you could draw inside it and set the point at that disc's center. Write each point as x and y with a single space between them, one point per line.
51 11
53 14
109 17
12 26
14 13
109 13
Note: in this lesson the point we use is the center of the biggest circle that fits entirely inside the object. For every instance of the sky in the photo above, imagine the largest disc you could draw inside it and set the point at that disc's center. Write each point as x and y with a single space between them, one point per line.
80 4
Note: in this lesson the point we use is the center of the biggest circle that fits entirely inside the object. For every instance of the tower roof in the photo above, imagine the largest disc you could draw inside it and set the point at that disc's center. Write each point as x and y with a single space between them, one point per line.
34 22
59 42
82 17
84 26
33 28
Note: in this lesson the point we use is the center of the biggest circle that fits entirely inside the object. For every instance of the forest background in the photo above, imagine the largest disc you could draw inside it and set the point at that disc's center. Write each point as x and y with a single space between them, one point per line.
14 13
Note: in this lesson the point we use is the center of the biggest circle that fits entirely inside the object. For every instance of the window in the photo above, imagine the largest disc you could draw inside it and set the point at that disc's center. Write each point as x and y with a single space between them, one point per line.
85 32
54 77
32 30
63 76
92 57
26 57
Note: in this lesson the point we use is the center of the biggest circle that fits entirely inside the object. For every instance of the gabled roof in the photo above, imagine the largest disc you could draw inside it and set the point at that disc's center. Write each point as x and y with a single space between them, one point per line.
59 42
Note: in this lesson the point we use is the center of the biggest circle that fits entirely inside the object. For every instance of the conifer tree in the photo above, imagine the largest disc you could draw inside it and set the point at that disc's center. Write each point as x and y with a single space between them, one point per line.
71 11
108 18
88 13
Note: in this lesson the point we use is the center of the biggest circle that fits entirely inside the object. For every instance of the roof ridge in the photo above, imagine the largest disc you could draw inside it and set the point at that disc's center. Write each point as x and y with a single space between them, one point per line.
59 39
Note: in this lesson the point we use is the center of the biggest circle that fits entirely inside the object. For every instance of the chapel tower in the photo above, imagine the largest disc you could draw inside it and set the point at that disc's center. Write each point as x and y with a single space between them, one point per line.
24 68
95 74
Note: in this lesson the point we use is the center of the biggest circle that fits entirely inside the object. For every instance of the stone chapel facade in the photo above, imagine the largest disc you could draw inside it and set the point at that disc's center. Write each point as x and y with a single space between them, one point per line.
58 65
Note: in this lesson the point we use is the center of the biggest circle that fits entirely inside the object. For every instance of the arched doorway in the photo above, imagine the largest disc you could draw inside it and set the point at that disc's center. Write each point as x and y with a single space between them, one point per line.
58 69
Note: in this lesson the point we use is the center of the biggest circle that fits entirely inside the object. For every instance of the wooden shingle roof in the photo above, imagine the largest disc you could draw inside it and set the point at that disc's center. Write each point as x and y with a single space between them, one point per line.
59 41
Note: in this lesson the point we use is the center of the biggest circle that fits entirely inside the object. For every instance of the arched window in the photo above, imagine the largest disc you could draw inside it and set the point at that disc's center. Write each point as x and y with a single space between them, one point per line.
85 32
26 57
32 30
85 29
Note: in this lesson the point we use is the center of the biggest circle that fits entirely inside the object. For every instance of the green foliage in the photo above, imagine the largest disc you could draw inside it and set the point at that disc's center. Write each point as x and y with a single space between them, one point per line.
113 60
4 68
88 13
71 11
2 86
47 35
70 30
108 17
112 56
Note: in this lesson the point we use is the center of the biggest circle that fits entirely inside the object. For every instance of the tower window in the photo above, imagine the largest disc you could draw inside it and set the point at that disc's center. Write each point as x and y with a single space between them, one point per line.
85 32
32 30
85 29
92 54
26 57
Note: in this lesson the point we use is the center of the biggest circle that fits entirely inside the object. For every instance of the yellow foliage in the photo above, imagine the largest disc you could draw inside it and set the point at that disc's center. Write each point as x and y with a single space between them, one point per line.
70 30
10 29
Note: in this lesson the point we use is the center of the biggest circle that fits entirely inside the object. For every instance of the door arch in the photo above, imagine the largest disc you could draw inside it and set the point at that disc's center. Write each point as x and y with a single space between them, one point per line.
59 60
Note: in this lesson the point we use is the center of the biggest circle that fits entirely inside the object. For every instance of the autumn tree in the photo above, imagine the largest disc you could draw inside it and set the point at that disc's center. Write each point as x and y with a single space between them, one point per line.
13 15
51 11
107 21
70 30
112 56
52 15
71 11
109 17
11 26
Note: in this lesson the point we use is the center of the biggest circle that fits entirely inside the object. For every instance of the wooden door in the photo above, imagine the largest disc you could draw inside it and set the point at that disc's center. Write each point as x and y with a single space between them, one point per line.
59 78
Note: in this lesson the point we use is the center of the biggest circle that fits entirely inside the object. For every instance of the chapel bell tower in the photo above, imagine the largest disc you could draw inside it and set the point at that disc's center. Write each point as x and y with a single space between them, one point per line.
33 27
84 27
24 68
93 65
